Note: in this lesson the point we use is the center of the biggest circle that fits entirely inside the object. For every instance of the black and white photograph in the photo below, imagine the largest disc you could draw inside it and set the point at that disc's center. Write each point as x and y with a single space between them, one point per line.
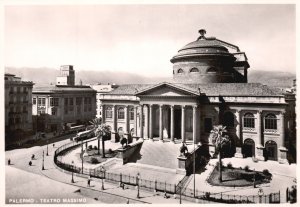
149 103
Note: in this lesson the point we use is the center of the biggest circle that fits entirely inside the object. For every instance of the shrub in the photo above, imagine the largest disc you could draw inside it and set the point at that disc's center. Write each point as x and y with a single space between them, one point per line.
229 165
266 172
246 168
95 147
90 147
94 160
110 151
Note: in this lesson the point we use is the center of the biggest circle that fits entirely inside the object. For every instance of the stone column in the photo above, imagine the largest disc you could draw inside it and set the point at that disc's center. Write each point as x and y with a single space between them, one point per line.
183 123
239 140
126 120
151 121
114 121
146 121
103 114
160 123
135 121
141 121
195 124
172 123
282 156
259 146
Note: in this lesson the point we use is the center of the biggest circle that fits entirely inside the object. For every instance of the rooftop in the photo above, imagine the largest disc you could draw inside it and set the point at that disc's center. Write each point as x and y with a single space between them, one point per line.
210 89
55 88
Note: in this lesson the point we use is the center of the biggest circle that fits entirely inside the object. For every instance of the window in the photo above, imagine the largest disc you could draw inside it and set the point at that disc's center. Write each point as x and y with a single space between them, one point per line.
90 100
25 109
85 108
108 112
270 121
90 108
54 101
131 113
121 113
66 101
34 101
71 108
85 100
66 110
249 120
78 110
78 100
208 125
42 101
71 101
180 71
53 111
18 89
211 70
194 70
228 119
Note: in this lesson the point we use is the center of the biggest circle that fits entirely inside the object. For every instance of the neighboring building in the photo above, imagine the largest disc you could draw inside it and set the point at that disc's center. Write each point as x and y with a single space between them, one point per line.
209 88
18 107
56 106
101 90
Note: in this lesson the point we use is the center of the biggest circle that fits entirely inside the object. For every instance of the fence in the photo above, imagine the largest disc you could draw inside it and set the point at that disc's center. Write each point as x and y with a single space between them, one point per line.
162 186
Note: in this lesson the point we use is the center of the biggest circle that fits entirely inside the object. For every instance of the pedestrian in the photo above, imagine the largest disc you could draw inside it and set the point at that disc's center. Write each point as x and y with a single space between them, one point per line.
165 195
30 163
89 182
8 161
32 156
127 201
53 145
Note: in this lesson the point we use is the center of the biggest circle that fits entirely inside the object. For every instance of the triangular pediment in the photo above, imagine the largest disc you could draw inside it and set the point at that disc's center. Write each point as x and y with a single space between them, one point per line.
166 89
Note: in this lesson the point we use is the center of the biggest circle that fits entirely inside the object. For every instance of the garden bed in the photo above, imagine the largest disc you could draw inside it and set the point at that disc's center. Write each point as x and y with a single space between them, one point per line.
238 177
95 158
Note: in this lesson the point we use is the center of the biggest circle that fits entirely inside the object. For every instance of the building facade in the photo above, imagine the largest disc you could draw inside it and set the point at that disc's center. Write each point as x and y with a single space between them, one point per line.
101 90
18 107
209 88
55 106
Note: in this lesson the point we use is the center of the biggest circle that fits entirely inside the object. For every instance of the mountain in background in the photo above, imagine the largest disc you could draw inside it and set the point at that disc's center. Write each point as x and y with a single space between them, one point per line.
46 76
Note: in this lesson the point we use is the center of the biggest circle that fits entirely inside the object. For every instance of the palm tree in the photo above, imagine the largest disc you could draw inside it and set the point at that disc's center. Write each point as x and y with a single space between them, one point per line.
100 130
219 140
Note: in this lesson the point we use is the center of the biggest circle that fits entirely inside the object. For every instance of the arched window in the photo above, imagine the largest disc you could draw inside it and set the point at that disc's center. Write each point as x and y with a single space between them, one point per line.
108 112
194 70
211 70
228 119
131 113
121 114
249 120
180 71
270 121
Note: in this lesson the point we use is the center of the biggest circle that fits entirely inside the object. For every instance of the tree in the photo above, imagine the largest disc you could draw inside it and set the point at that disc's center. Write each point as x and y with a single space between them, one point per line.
219 139
100 130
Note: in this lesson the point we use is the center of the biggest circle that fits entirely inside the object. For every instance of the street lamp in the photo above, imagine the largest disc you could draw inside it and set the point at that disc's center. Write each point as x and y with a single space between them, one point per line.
72 181
47 148
43 167
82 156
194 170
138 186
102 170
180 185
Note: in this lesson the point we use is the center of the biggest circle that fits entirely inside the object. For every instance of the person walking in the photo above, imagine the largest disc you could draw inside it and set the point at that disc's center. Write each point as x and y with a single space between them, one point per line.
30 163
8 161
89 182
127 201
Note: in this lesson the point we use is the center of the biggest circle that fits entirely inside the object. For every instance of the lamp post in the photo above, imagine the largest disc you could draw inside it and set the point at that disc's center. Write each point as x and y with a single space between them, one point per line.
102 170
138 186
180 186
47 148
81 156
72 181
43 167
254 179
194 171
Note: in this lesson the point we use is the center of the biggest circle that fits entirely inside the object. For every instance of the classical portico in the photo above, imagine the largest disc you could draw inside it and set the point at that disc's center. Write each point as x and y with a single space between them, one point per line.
170 113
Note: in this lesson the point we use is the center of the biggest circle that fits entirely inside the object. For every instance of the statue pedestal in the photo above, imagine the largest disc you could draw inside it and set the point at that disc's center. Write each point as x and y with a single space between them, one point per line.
182 164
238 152
282 158
260 153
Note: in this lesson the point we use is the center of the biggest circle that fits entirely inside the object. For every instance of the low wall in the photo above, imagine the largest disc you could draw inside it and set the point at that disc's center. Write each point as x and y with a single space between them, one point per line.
127 152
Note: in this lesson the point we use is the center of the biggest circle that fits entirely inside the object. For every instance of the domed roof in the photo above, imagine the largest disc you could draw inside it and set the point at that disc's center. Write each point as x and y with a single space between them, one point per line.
203 46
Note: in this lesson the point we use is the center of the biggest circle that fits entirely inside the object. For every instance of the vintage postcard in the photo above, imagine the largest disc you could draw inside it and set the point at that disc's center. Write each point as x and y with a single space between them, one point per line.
142 103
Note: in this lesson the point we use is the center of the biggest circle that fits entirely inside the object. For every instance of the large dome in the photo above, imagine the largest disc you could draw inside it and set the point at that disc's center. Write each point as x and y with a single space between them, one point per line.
206 60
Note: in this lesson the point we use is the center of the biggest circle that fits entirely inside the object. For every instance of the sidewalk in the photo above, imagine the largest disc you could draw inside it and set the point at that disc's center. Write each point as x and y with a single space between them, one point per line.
21 157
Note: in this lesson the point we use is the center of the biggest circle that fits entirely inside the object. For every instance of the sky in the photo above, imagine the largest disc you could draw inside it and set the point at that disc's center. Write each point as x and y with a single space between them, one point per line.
142 39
